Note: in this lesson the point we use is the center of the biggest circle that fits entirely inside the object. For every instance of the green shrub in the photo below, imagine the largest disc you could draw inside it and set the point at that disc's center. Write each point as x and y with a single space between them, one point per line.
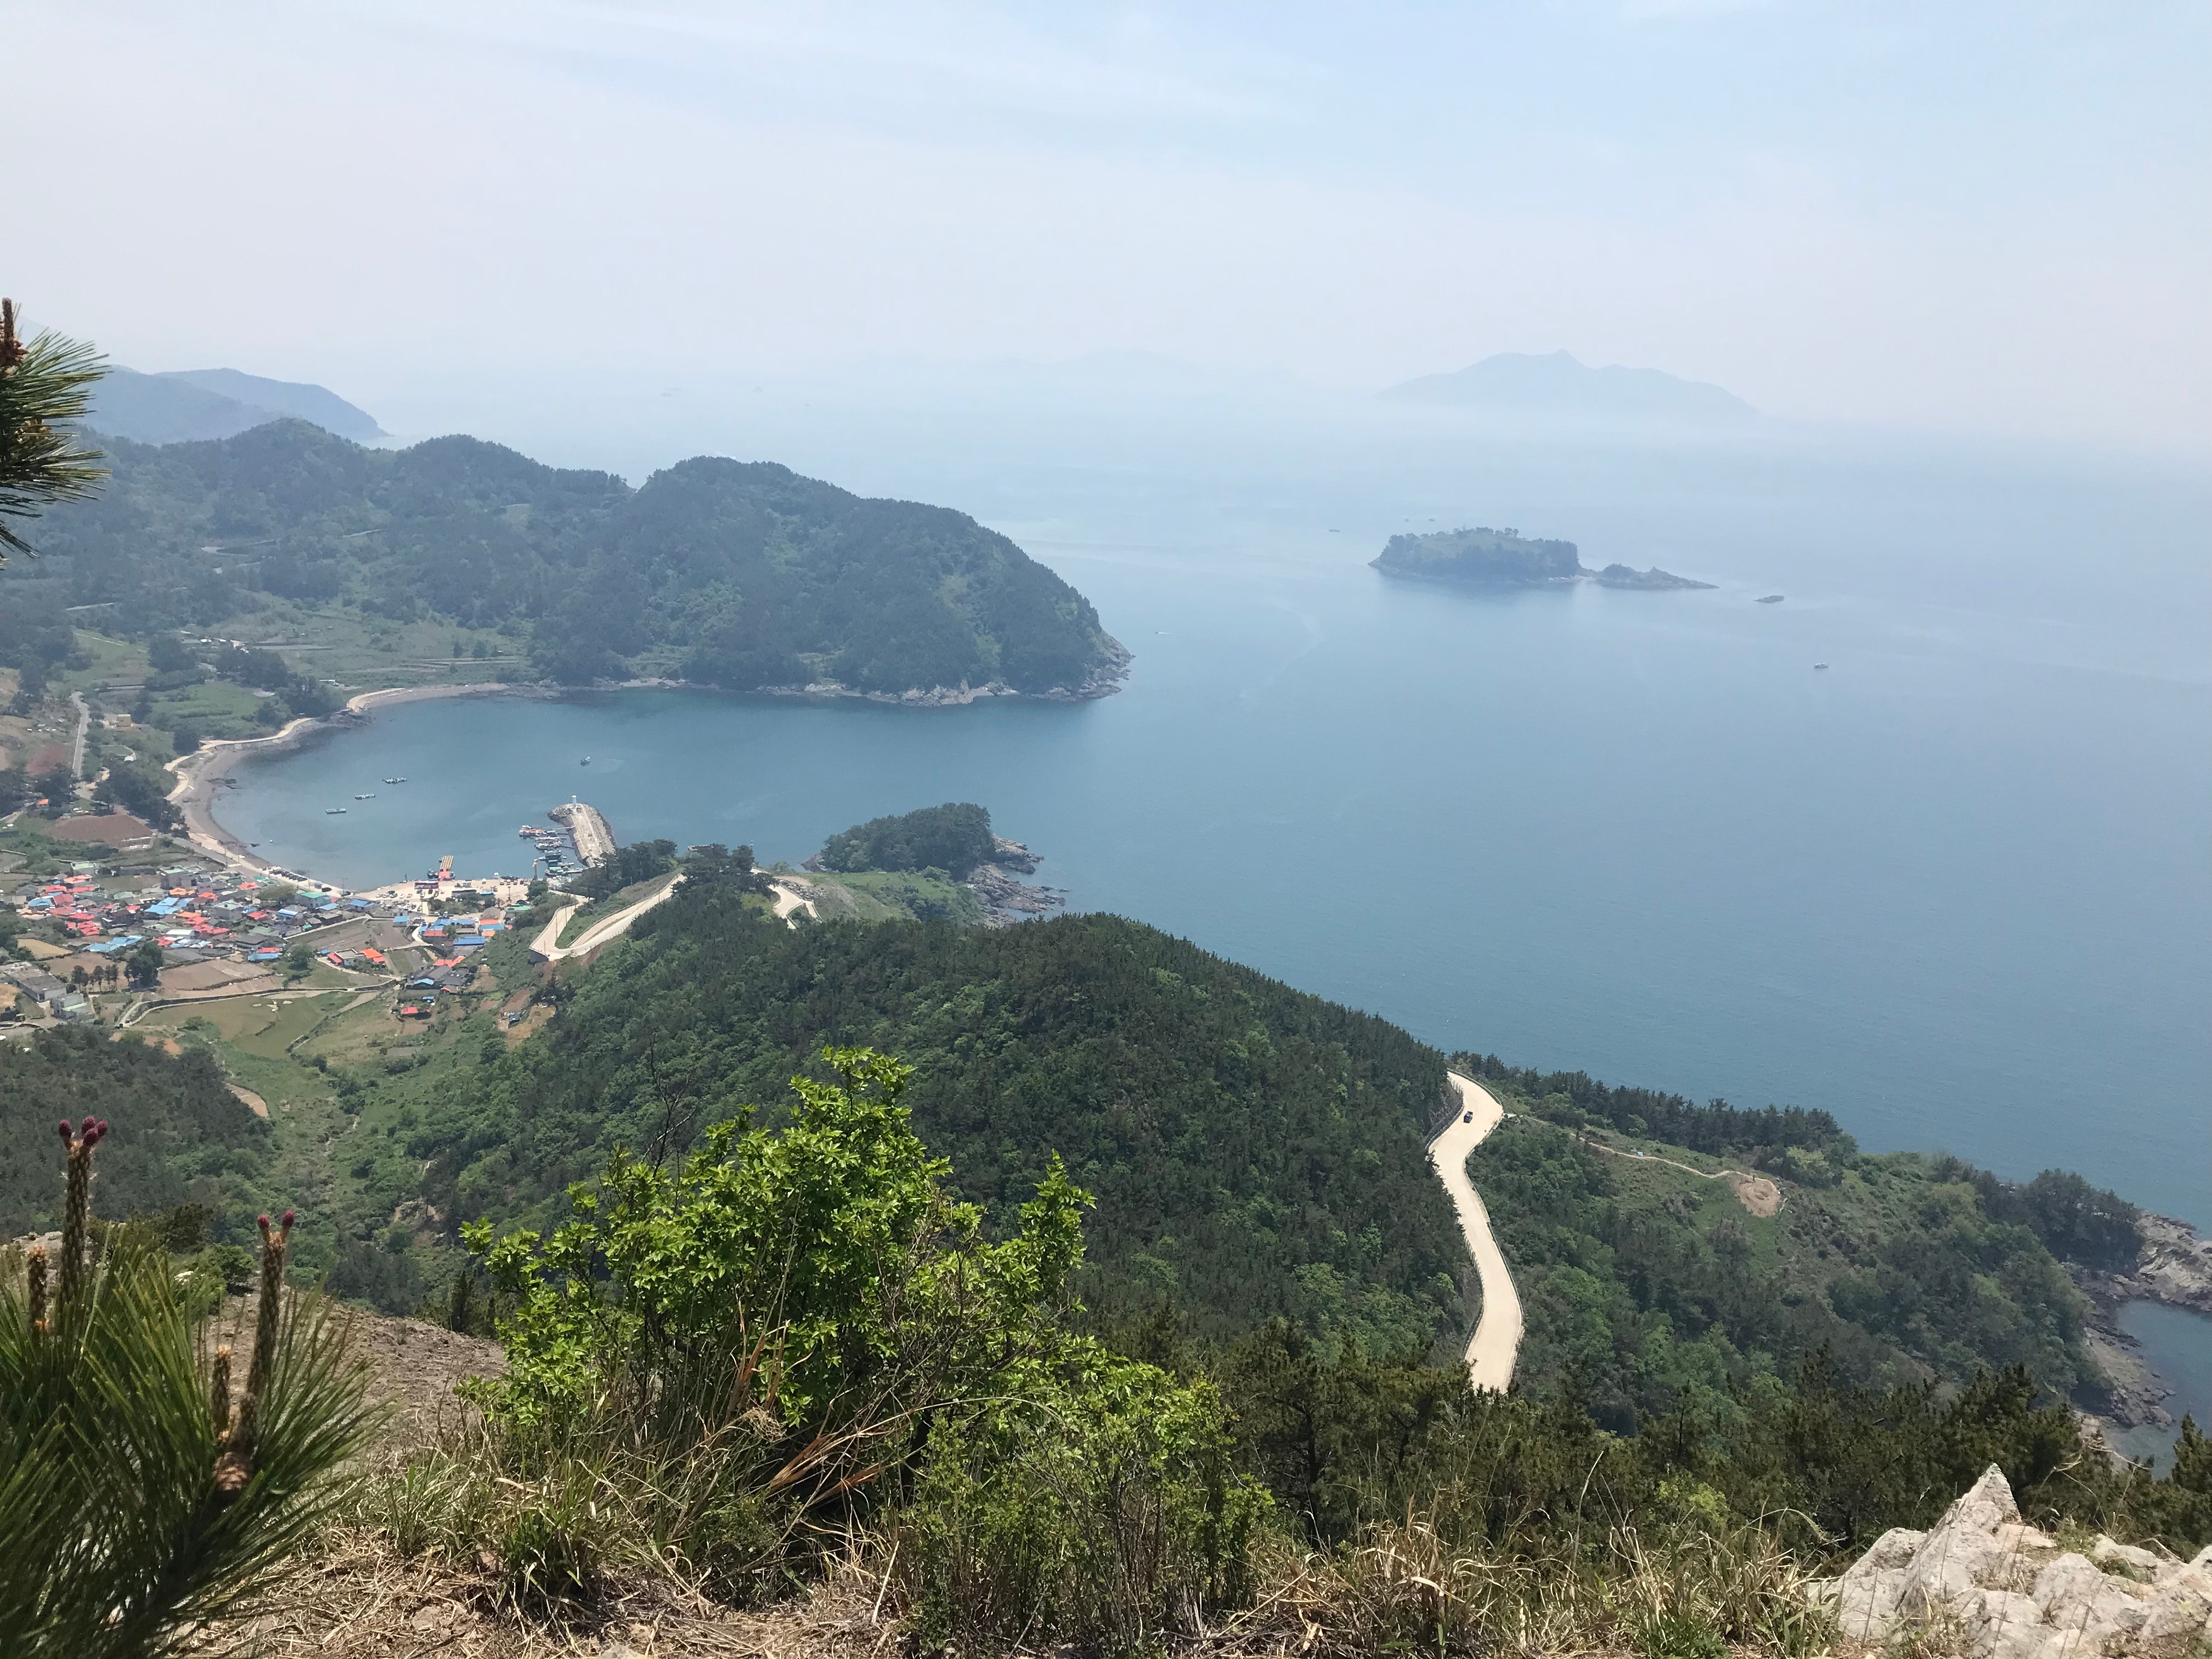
734 1364
1100 1505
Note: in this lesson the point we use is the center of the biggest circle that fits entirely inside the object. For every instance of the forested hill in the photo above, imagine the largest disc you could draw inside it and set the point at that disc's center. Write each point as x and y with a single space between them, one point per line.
736 575
1256 1152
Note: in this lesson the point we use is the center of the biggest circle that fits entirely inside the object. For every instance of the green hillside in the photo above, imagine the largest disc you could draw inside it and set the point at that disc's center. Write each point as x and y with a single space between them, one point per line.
179 1135
1256 1152
460 558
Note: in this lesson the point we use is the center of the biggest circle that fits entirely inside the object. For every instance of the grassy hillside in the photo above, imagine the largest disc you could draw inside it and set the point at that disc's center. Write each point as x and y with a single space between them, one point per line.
459 557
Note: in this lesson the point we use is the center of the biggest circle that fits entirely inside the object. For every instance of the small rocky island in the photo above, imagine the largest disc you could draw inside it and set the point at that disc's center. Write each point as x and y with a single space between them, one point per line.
1505 558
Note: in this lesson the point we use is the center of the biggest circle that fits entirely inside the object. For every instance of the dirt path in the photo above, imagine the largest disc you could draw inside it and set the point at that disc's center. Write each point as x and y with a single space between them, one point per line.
1754 1192
600 932
1497 1341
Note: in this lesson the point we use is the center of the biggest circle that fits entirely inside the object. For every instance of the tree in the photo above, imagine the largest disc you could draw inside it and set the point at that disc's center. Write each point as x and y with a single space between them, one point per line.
58 787
298 960
145 963
46 384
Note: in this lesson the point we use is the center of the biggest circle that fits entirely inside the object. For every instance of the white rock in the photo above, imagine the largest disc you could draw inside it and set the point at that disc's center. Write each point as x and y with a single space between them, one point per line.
2180 1608
1986 1505
2106 1549
1953 1563
2008 1592
2005 1625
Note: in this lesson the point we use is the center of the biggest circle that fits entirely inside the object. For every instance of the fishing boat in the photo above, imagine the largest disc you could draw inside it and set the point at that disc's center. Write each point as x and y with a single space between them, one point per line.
333 811
395 780
370 796
588 760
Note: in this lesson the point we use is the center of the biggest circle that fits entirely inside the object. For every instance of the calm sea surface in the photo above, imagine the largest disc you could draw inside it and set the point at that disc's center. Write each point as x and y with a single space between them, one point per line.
1956 887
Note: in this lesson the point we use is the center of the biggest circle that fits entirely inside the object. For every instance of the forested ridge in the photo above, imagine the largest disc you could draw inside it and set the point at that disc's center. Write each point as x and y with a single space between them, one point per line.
735 574
181 1136
1257 1152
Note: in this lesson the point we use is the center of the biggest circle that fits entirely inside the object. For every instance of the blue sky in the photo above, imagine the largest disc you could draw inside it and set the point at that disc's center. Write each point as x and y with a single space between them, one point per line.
1973 217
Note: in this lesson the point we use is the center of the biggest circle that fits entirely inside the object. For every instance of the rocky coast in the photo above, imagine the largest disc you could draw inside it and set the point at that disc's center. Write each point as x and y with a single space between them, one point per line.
2174 1269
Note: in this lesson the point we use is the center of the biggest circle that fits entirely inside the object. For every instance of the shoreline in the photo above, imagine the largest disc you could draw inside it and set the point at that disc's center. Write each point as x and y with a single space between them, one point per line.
200 774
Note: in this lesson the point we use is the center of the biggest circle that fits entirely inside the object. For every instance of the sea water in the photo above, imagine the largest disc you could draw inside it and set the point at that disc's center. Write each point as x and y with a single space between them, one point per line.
1955 887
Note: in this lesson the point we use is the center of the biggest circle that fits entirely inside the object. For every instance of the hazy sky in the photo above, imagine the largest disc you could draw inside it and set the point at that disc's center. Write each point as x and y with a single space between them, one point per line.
1986 217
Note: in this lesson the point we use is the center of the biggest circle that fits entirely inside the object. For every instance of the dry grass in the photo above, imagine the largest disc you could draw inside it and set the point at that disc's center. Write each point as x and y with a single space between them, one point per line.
361 1600
1402 1588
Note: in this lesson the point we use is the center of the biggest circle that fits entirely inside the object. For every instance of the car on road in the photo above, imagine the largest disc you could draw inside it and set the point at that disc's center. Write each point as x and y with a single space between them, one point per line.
1466 1117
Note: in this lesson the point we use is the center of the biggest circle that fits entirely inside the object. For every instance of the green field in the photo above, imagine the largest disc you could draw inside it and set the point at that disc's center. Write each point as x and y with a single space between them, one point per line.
898 895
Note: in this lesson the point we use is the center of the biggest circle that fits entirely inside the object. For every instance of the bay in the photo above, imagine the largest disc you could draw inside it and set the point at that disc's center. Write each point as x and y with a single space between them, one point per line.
1956 887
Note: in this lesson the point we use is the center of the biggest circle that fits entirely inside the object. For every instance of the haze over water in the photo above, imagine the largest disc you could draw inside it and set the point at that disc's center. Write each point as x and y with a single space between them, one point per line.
1956 888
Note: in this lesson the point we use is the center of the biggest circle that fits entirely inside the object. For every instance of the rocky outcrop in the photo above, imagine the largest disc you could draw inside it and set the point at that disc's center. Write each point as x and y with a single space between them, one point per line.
1013 855
1652 580
2000 1589
1006 901
2175 1267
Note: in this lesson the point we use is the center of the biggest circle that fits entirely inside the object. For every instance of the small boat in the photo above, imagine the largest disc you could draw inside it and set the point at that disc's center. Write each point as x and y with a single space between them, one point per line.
588 760
370 796
395 780
333 811
1771 599
1818 666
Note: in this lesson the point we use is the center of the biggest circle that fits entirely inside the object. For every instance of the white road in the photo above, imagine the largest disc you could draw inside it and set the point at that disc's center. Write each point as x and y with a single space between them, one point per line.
791 897
1497 1341
83 725
543 944
600 932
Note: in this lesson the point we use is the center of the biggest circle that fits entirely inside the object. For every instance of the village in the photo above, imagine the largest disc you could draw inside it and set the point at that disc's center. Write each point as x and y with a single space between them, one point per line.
111 921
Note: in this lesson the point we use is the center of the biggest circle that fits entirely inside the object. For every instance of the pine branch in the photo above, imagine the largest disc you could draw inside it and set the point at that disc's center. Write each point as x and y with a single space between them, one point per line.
45 386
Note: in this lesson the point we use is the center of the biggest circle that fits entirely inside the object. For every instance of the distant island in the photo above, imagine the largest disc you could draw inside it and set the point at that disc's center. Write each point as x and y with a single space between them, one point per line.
1505 558
189 404
1556 385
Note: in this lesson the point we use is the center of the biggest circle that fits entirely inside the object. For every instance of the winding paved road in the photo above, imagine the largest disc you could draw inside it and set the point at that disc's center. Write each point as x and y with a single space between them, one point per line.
1497 1341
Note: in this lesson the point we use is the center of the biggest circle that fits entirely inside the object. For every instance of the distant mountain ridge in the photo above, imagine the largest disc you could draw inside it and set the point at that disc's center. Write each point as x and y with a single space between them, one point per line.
1558 384
197 405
